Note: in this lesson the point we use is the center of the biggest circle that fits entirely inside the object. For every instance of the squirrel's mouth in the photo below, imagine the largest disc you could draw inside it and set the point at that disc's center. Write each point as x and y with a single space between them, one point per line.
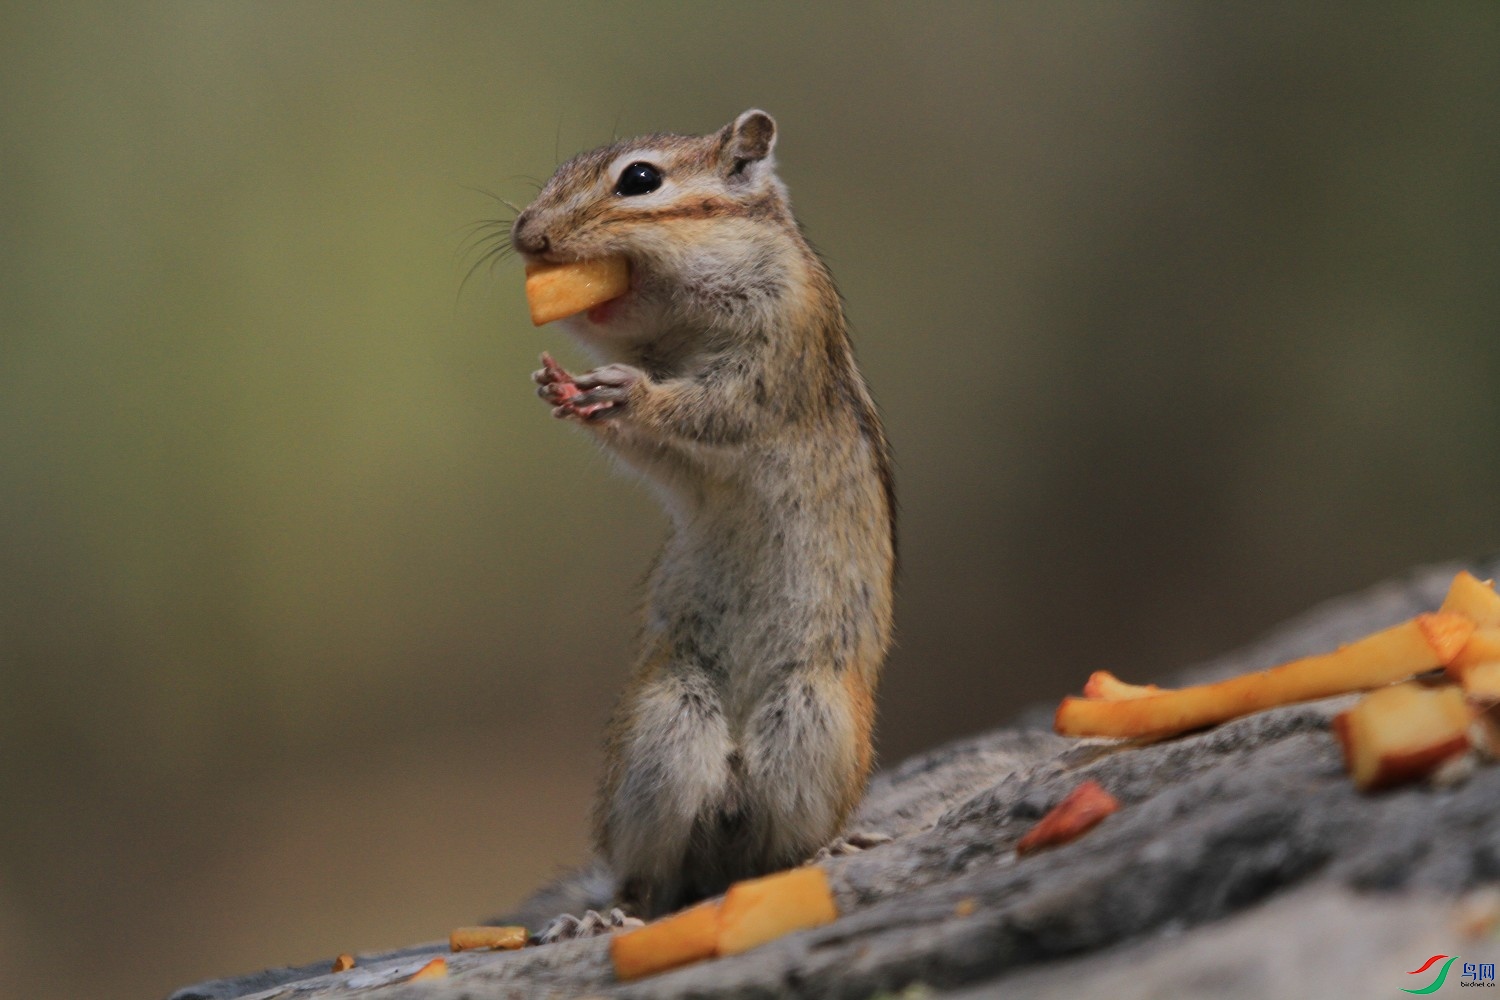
605 311
557 291
609 310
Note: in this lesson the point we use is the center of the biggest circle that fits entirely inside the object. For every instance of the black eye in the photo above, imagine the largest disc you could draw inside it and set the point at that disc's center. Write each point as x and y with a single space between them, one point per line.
638 178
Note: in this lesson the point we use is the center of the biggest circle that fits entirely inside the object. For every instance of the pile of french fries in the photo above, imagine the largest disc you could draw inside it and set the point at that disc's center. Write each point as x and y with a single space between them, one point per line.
1402 730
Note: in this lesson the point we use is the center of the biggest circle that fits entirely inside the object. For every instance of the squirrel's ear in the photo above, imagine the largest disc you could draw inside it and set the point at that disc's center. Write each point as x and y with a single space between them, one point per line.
748 139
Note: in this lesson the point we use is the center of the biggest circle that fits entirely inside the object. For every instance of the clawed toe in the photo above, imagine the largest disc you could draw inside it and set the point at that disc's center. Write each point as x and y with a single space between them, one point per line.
853 843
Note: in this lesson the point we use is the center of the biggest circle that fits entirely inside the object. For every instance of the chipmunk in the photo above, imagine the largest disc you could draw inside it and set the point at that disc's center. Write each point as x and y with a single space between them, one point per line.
728 382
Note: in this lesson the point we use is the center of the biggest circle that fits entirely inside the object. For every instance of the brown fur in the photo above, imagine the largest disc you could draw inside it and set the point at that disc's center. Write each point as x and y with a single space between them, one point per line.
743 739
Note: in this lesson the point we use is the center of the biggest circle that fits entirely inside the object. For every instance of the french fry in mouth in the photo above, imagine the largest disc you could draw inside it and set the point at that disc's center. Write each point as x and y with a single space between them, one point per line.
557 291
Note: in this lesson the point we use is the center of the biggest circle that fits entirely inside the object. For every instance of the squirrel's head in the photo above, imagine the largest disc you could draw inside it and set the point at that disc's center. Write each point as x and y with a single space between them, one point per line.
703 220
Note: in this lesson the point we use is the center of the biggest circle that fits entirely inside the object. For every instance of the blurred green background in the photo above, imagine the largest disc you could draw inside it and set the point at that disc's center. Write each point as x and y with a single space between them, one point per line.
1182 318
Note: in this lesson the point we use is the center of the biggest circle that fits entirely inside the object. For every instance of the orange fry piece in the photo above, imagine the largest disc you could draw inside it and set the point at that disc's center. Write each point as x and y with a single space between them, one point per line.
1481 683
1107 687
665 944
343 963
557 291
763 909
1473 598
472 938
1401 733
1393 654
1077 814
435 969
1483 647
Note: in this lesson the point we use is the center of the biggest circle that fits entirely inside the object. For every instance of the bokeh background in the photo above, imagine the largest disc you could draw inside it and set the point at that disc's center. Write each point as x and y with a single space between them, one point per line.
1182 318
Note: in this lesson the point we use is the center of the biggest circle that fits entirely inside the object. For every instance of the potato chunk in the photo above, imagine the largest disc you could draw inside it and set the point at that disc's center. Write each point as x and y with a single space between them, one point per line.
1481 683
750 914
1483 647
1105 686
1402 733
1473 598
1082 810
557 291
763 909
665 944
472 938
1393 654
435 969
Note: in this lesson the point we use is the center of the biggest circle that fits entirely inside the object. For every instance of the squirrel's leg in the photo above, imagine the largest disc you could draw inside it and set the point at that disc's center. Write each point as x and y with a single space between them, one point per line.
667 764
806 759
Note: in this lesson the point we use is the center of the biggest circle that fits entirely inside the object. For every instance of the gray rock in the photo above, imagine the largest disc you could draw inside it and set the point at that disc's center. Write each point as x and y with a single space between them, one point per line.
1242 864
1314 941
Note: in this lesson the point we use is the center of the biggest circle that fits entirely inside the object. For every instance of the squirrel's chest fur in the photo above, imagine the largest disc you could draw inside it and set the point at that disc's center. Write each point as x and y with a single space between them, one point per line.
778 570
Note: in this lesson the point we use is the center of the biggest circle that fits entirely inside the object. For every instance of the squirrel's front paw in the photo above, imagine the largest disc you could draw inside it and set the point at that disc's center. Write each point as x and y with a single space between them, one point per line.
586 397
605 390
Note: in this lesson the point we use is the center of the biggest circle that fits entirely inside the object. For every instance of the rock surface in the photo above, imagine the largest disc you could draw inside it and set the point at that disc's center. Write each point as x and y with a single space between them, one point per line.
1242 864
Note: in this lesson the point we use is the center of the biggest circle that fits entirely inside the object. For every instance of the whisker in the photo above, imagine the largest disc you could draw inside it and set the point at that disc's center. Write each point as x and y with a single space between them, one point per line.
492 195
490 225
474 243
470 227
496 253
480 233
488 240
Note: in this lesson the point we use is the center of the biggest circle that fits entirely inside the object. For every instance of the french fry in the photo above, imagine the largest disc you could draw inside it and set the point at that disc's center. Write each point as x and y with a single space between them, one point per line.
1394 654
1483 647
556 291
1481 683
1077 814
435 969
1107 687
1485 732
665 944
763 909
751 913
1401 733
1474 599
473 938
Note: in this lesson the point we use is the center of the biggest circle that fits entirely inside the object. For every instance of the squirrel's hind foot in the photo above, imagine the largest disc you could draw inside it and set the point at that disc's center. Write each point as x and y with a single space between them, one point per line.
852 843
570 928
